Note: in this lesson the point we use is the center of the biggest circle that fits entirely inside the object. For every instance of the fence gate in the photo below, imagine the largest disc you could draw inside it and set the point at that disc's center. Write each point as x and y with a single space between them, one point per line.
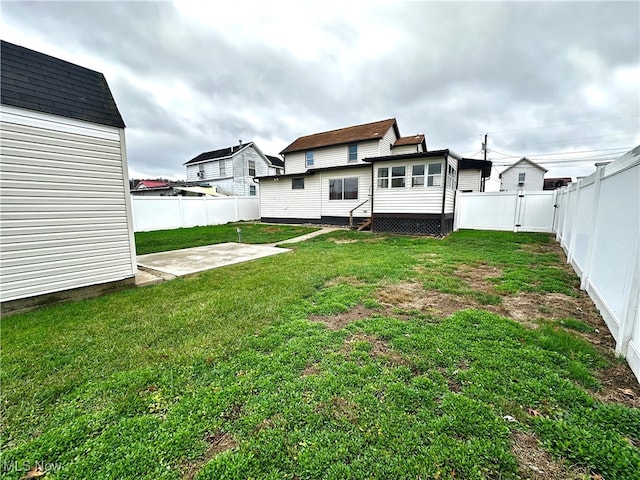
521 211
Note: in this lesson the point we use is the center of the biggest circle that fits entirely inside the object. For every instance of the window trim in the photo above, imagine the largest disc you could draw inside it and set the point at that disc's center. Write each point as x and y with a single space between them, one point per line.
431 177
415 176
249 162
308 158
451 177
350 153
297 183
384 178
222 168
343 190
252 191
522 176
402 177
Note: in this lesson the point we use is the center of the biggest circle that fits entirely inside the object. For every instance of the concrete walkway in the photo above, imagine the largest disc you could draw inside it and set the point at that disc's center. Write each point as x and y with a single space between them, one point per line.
157 267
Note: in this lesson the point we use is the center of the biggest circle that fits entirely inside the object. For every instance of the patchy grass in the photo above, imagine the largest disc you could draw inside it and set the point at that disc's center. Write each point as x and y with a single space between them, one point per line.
342 359
175 239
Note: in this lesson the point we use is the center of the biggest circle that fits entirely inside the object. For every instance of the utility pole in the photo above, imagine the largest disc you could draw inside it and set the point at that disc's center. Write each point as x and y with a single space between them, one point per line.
484 146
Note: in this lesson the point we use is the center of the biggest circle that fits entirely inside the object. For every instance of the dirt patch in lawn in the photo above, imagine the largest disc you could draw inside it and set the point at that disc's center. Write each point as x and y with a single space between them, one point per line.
353 281
218 442
341 320
379 348
409 296
534 463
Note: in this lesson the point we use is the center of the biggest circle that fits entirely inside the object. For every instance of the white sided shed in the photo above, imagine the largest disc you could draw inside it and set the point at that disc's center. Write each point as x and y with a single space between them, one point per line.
65 225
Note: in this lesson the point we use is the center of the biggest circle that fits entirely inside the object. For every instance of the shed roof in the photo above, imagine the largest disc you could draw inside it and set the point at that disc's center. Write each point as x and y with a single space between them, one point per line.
357 133
46 84
475 163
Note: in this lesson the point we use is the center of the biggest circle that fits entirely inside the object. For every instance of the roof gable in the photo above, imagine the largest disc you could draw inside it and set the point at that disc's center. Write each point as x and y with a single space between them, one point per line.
357 133
46 84
275 161
217 154
524 160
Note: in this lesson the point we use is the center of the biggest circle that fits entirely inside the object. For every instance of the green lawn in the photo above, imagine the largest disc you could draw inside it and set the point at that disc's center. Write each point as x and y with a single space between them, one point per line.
233 373
163 240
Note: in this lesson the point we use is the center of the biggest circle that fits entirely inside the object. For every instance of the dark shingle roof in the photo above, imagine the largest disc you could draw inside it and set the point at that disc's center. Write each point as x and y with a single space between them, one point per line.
39 82
367 131
275 161
220 153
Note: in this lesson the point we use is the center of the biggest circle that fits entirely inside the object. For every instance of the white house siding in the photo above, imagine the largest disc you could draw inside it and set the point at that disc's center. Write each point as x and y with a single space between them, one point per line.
211 171
341 208
410 200
534 177
241 178
66 213
384 148
450 195
401 149
469 179
334 156
279 200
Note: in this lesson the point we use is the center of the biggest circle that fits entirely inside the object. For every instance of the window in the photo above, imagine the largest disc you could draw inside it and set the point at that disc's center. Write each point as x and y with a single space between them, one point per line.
297 183
434 175
397 177
200 170
309 158
451 177
252 190
383 177
353 152
521 176
252 168
343 188
417 176
223 167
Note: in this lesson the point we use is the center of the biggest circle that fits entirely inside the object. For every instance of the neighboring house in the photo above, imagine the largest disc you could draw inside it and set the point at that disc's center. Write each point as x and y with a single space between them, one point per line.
233 169
365 173
473 174
555 183
62 135
153 188
522 175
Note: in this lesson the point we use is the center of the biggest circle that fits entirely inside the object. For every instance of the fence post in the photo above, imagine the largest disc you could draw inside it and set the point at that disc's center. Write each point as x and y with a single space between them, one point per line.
206 209
574 224
516 221
236 210
586 271
181 210
630 320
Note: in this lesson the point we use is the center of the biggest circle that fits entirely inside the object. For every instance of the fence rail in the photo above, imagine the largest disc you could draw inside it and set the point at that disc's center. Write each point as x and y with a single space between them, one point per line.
160 213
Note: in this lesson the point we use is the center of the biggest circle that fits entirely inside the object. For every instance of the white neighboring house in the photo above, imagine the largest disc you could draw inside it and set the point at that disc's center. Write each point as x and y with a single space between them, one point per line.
66 227
365 174
233 169
522 175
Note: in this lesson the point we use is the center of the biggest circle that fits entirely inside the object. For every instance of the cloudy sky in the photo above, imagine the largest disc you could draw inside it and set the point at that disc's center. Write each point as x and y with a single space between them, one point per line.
557 82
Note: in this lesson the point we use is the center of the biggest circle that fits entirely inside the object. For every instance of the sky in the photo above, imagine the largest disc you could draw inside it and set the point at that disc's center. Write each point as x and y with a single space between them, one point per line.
557 82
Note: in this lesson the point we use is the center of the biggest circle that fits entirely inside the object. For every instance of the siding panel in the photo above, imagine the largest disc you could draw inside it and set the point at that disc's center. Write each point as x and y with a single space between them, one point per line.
64 221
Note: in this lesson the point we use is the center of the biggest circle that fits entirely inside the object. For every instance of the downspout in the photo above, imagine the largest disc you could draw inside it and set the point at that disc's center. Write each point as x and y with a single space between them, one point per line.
444 191
371 197
455 192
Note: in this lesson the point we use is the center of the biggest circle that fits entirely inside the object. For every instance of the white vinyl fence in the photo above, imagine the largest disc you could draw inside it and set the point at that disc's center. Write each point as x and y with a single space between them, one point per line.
519 211
598 226
160 213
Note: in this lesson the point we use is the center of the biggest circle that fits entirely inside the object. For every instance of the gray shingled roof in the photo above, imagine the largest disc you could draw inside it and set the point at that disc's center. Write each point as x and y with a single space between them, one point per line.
35 81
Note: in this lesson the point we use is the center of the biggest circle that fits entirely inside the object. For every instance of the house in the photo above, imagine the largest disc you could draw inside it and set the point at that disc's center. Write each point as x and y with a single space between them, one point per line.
473 174
555 183
366 174
522 175
62 134
156 188
233 169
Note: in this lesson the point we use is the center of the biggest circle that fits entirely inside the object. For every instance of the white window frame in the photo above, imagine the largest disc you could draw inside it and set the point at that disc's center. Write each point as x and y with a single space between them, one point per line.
308 158
352 157
402 178
252 190
383 180
434 179
222 166
252 168
417 179
451 176
343 190
521 177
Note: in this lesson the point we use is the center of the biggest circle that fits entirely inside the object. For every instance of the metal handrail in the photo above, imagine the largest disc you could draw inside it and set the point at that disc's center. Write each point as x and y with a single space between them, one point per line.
353 209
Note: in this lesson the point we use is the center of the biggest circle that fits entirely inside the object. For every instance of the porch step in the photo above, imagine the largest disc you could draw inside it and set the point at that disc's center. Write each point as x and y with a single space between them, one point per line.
365 225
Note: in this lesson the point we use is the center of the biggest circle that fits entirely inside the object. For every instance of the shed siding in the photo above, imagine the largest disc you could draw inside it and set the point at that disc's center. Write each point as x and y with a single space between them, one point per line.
279 200
469 180
409 199
64 193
